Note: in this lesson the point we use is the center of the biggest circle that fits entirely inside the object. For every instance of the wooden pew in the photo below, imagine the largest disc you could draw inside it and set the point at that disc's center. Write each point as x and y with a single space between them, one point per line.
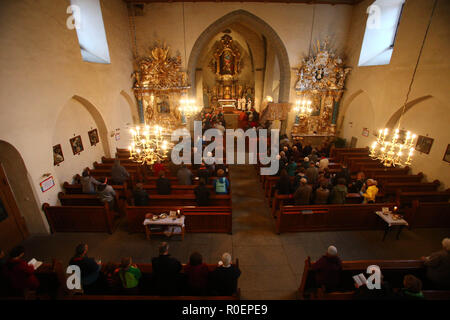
188 200
126 165
373 172
175 189
82 199
403 178
330 217
334 153
406 198
80 218
99 173
198 219
122 160
77 189
392 187
428 214
393 272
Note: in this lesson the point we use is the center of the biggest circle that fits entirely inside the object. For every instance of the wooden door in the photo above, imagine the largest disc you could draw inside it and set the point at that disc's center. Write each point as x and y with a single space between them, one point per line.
13 229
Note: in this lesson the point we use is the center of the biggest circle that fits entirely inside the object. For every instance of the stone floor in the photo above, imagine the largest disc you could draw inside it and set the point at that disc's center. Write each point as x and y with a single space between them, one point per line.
271 264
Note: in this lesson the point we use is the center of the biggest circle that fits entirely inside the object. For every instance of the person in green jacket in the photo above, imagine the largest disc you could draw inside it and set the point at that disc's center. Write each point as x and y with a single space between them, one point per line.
129 275
291 167
339 192
412 288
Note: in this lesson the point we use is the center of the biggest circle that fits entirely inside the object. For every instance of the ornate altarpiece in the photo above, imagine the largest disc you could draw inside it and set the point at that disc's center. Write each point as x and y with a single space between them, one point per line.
321 79
158 87
226 63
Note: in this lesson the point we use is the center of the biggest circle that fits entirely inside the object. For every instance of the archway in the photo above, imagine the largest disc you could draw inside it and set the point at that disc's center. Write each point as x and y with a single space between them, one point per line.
252 22
23 205
132 105
396 116
345 104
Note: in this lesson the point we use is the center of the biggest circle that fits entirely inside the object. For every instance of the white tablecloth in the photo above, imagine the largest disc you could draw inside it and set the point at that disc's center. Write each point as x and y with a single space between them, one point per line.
165 221
391 222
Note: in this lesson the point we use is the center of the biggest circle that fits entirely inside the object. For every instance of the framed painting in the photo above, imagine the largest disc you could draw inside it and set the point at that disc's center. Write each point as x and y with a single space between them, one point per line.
58 156
447 154
93 137
424 144
76 144
365 132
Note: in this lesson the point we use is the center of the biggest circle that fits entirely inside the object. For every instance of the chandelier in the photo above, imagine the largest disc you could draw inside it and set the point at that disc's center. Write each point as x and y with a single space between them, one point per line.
188 107
303 108
395 151
148 144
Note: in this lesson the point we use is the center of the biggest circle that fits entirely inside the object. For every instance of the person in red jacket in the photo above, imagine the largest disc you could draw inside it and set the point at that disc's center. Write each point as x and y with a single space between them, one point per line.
20 274
328 270
197 275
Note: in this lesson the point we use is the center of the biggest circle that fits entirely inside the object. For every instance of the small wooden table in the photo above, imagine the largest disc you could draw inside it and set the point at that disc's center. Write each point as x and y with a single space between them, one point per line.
390 222
166 222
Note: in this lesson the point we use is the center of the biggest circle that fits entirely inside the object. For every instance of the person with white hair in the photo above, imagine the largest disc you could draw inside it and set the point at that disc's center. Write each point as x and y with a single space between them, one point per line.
224 278
302 196
305 163
328 270
438 266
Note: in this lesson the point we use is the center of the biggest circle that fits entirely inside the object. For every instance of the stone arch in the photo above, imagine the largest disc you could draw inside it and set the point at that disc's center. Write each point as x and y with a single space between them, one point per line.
344 107
397 114
21 184
96 115
132 105
255 23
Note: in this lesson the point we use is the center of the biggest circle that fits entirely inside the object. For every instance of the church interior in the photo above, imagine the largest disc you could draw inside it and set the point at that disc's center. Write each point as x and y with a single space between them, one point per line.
136 175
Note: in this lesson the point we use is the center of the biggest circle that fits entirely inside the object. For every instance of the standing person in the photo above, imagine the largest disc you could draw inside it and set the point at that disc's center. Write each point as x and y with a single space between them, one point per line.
328 270
283 185
184 176
370 193
140 196
118 173
158 167
197 275
307 149
129 275
106 193
88 182
90 269
166 271
322 193
302 196
224 278
323 163
339 192
300 175
163 185
202 193
312 174
291 167
438 266
343 174
305 163
357 185
296 154
283 161
20 274
221 184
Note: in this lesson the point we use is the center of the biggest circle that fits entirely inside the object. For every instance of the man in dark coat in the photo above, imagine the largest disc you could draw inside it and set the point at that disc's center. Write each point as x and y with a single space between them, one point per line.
166 272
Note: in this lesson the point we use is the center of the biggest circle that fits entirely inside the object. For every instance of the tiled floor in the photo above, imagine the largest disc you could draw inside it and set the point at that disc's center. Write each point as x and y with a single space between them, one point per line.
271 264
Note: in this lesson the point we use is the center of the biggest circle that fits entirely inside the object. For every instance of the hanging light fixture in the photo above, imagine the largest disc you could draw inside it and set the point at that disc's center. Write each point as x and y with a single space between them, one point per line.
189 107
303 108
149 144
398 149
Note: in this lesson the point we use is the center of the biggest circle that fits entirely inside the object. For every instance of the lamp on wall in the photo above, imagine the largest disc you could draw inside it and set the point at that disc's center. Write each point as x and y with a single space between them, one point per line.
398 149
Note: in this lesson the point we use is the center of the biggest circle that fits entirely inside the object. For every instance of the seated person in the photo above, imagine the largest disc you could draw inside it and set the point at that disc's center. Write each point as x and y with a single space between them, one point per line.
140 196
301 174
283 185
20 274
370 192
90 269
184 176
339 192
322 193
112 282
203 172
88 182
412 288
438 266
163 185
357 185
158 167
364 293
106 193
328 270
118 173
221 184
224 278
197 275
129 275
302 196
312 174
202 193
166 271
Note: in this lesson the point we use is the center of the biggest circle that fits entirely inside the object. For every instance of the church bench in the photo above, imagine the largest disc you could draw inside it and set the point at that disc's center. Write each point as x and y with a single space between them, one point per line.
352 161
373 172
393 272
77 189
175 189
122 160
392 187
362 166
335 152
344 157
80 218
108 166
99 173
406 198
197 219
82 199
404 178
188 199
428 214
330 217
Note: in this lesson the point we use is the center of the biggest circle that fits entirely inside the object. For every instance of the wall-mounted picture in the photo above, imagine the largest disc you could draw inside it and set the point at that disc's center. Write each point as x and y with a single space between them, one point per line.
424 144
365 132
93 137
76 144
447 154
58 156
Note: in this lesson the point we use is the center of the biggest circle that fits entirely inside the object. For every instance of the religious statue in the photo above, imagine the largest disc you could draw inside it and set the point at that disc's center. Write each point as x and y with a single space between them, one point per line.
227 57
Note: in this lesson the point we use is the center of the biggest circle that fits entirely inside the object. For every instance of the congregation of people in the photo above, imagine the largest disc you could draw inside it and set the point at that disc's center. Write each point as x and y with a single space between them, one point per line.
168 278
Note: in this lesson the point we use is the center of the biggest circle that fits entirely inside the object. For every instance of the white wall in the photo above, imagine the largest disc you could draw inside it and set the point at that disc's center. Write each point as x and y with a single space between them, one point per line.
42 70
